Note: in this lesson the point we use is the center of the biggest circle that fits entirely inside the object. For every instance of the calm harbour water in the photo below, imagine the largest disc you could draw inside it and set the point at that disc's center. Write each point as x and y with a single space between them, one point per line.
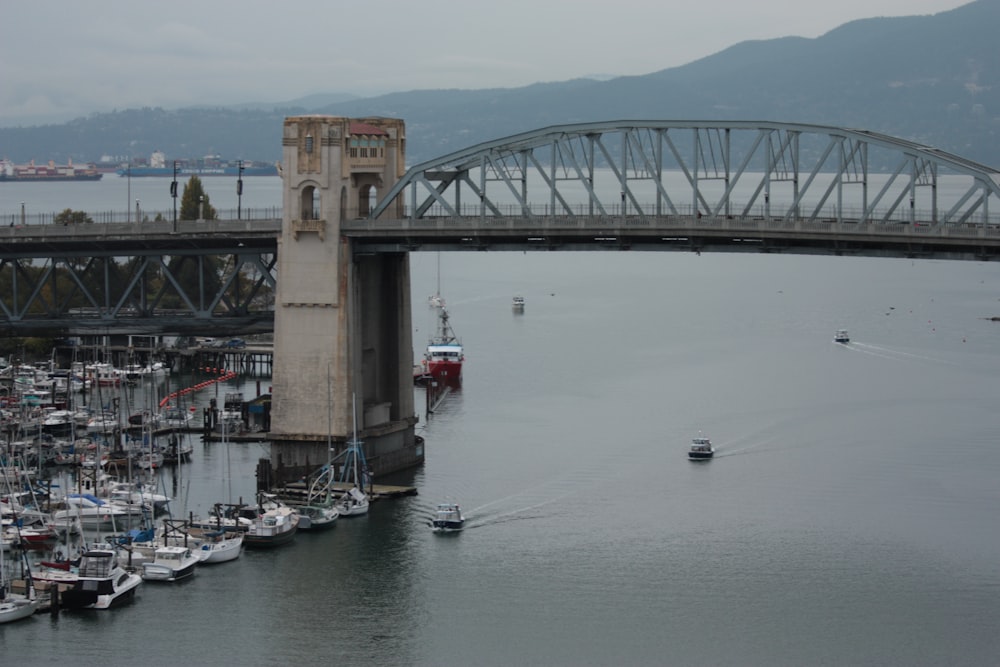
849 517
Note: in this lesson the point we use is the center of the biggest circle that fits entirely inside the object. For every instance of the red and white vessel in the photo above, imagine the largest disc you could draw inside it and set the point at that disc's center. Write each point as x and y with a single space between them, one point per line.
444 356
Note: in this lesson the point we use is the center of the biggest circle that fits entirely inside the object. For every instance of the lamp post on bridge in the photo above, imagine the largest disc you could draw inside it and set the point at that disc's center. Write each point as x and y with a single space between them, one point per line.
173 193
239 192
128 196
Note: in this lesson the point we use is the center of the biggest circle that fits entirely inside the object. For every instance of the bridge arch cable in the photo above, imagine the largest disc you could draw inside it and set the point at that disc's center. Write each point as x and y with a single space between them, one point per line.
734 169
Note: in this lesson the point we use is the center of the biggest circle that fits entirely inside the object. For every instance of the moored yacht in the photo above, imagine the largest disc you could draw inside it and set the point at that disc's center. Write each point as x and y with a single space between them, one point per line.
101 582
274 525
170 563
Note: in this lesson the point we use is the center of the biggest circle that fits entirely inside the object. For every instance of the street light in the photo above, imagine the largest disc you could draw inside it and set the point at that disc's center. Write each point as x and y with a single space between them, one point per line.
239 192
201 208
138 218
173 193
22 214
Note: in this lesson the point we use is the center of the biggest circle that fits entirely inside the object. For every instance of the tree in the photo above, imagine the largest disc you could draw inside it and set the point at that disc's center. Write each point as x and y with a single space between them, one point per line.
192 203
71 217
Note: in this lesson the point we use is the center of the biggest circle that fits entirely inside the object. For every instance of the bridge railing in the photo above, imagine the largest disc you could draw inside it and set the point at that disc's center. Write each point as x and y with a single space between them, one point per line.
144 216
761 211
609 225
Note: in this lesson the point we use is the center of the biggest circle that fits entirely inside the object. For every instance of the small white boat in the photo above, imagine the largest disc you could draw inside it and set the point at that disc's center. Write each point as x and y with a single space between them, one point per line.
14 607
170 563
101 582
317 516
354 502
518 303
841 336
448 518
701 449
218 546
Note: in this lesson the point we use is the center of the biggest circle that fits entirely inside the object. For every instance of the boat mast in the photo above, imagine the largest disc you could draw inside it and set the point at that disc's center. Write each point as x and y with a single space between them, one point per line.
354 441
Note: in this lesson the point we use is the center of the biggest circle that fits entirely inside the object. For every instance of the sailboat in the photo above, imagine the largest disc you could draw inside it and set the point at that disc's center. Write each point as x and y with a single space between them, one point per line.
320 511
15 606
219 543
354 501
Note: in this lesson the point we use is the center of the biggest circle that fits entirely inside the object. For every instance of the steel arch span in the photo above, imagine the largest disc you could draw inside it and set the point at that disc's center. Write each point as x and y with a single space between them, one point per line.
786 171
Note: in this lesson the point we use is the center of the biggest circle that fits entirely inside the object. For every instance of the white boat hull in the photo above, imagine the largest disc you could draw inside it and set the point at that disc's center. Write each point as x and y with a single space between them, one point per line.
223 551
16 608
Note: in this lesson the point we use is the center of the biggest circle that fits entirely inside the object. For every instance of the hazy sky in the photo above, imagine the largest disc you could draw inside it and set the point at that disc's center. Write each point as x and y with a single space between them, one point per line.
67 58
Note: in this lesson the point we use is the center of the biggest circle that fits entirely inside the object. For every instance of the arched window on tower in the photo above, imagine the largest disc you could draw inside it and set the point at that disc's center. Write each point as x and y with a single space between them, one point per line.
309 203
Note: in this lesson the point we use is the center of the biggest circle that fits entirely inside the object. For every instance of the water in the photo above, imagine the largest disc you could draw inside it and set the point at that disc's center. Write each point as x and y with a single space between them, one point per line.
119 194
849 517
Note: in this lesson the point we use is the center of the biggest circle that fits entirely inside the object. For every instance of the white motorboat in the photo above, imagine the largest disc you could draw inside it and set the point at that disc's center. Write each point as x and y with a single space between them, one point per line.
518 303
701 449
448 518
173 417
275 524
101 582
93 513
170 563
841 336
137 493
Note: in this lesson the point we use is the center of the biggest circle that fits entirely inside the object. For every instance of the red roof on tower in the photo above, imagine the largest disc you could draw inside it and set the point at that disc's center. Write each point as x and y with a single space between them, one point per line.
365 128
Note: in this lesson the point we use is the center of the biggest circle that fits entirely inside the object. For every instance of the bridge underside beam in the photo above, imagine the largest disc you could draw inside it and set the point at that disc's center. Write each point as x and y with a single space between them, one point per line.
186 292
705 234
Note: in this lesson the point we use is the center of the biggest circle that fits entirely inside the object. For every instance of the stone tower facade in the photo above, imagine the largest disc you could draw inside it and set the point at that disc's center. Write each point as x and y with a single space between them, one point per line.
342 333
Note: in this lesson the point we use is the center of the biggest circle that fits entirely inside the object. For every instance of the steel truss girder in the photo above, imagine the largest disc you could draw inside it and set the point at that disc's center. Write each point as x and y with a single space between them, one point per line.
788 171
116 292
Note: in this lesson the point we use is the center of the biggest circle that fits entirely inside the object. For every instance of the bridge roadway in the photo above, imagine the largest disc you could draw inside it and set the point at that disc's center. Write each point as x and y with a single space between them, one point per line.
253 243
966 241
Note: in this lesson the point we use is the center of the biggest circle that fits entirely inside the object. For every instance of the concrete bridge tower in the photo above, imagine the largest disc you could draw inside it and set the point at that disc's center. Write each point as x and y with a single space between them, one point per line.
341 322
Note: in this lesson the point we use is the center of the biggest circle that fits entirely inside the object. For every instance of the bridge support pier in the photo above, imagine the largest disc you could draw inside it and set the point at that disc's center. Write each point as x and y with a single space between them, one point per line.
342 328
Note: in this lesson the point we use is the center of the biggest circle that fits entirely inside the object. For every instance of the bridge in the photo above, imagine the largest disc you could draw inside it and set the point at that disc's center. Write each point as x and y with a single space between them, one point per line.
338 299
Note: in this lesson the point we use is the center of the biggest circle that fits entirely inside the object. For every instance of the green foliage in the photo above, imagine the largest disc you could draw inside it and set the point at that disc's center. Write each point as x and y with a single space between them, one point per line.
71 217
192 205
26 349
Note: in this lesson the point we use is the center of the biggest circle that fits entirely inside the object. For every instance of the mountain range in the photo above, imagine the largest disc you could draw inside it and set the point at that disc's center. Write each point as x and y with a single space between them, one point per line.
931 79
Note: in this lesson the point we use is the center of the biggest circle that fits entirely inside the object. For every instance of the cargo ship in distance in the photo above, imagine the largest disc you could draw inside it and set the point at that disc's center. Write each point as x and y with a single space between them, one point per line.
51 171
211 165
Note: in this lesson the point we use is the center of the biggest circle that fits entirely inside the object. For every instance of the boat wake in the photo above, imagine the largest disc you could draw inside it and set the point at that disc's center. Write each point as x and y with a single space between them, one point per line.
755 448
892 353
